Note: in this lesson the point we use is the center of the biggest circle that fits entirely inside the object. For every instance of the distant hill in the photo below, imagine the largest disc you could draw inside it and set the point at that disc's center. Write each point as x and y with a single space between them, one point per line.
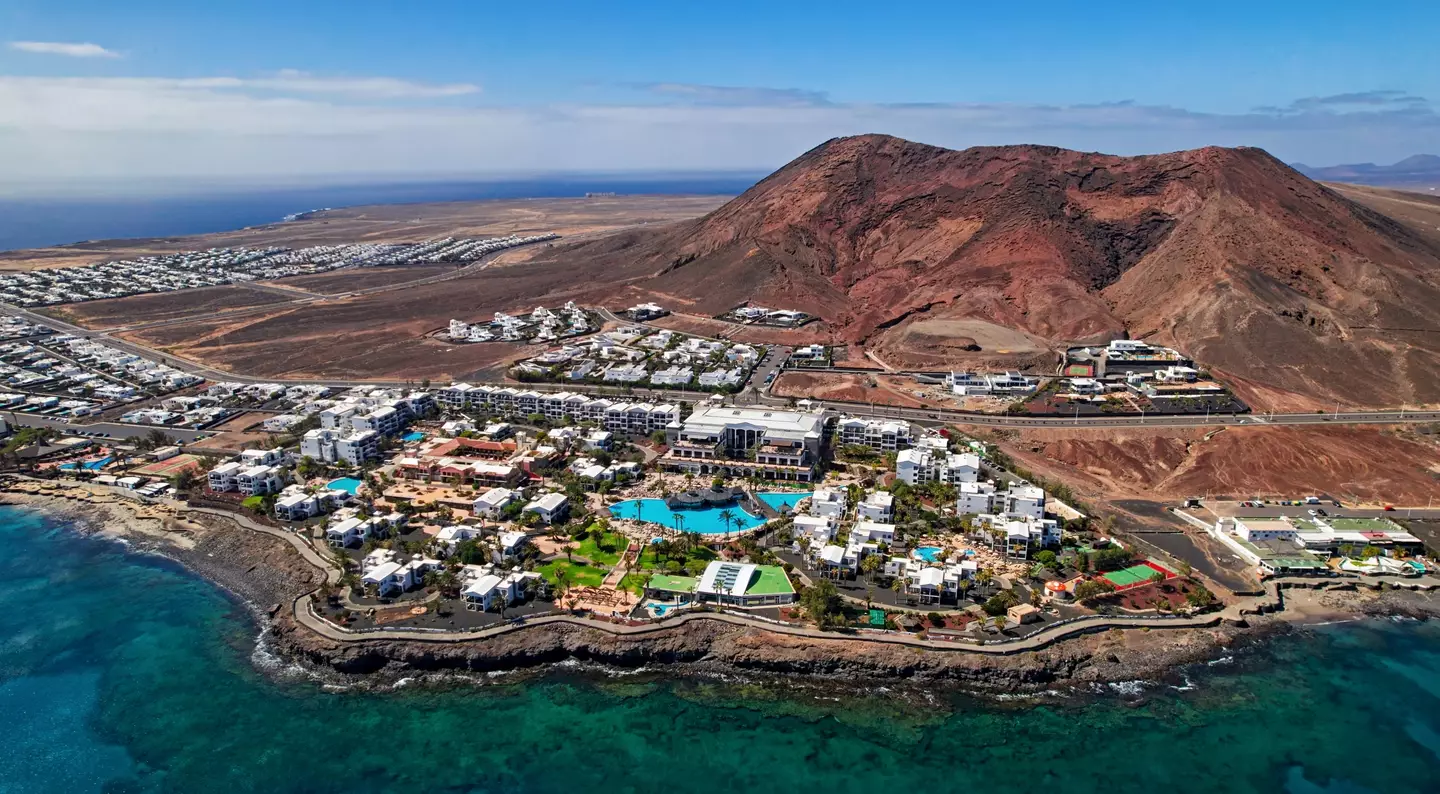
922 254
1420 170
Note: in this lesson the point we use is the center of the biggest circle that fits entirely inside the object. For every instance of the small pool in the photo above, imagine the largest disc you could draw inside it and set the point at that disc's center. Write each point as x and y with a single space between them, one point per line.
780 501
344 484
929 553
705 520
89 465
413 435
659 610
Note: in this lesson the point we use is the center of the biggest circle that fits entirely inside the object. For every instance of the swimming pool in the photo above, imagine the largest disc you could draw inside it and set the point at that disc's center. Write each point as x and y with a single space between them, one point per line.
928 553
89 465
344 484
414 435
781 501
705 520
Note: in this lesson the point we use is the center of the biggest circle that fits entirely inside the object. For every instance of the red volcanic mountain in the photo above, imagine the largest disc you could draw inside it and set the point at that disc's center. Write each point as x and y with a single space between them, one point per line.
924 254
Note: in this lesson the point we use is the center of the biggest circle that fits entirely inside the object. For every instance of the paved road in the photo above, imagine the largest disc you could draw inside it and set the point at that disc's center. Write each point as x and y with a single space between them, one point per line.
1275 511
112 430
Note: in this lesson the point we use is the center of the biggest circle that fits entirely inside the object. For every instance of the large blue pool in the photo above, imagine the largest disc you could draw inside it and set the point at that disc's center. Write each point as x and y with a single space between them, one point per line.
414 435
705 520
344 484
782 500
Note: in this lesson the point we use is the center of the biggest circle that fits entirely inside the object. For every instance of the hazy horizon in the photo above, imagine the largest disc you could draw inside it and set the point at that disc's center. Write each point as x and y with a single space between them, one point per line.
99 94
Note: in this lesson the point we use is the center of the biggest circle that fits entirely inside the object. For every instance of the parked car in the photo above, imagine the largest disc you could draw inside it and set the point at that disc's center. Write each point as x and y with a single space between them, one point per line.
1389 508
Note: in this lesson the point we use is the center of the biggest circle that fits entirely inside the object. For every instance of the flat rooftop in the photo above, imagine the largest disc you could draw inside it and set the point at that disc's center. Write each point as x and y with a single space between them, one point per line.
1365 525
1267 524
771 580
673 584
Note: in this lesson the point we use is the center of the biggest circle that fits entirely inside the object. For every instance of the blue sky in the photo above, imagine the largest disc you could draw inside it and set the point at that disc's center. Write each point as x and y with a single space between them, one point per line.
268 91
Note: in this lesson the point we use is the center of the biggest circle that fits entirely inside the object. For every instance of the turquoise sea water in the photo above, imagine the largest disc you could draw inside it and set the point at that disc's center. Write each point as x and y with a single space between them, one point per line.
122 673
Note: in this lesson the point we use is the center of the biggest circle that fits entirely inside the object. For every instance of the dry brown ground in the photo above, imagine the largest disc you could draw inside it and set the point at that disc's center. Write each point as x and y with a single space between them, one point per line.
383 335
844 386
356 278
161 306
398 222
1421 212
233 435
1361 464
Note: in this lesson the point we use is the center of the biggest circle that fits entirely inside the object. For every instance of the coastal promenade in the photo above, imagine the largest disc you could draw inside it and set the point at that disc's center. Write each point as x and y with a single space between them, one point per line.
305 615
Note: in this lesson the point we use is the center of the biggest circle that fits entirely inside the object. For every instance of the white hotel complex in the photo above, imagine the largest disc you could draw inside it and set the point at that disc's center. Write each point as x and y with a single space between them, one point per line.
777 444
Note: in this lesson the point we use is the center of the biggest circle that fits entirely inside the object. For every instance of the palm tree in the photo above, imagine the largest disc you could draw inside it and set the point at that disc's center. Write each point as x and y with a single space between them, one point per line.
728 517
870 565
898 586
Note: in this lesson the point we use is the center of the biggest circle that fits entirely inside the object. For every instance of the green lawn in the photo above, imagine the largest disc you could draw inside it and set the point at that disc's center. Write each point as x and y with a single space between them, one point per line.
589 548
576 573
634 582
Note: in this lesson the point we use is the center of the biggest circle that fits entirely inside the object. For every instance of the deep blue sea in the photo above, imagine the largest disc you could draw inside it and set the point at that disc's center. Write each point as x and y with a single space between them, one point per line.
30 223
122 673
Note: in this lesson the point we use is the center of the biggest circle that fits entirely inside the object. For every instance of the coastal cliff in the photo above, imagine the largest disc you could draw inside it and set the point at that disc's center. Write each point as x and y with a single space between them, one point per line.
718 646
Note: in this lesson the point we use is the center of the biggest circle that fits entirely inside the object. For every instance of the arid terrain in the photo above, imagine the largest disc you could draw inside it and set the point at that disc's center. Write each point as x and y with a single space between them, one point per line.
395 222
380 335
877 388
1358 464
160 306
1297 294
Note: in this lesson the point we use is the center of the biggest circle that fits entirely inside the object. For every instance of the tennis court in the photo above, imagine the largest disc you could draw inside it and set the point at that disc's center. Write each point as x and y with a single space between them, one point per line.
169 466
1136 575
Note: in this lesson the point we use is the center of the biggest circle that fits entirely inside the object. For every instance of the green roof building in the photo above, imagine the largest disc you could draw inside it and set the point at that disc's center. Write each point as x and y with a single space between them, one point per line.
730 584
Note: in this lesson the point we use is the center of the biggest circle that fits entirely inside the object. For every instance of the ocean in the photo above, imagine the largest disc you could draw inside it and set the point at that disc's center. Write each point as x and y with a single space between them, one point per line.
121 672
31 223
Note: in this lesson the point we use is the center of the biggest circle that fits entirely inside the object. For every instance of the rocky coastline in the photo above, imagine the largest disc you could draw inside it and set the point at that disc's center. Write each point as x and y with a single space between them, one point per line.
268 574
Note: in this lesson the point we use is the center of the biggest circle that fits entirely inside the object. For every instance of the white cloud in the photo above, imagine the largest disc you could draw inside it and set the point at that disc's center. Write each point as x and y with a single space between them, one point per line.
291 125
734 95
69 49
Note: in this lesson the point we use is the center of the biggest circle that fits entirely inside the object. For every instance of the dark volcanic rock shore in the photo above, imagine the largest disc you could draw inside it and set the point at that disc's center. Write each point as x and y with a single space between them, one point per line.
720 646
